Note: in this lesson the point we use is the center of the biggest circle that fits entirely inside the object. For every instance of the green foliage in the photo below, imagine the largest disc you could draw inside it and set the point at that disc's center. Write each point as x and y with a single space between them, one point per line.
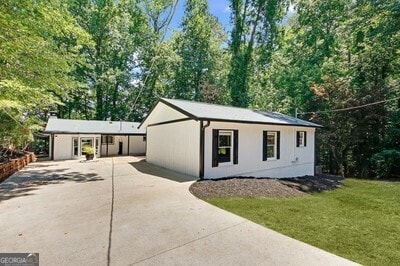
156 58
333 55
358 221
109 59
116 28
39 44
87 149
254 25
197 74
385 163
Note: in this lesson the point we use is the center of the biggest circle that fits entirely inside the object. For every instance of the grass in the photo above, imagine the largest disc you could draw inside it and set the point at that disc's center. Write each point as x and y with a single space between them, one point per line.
360 221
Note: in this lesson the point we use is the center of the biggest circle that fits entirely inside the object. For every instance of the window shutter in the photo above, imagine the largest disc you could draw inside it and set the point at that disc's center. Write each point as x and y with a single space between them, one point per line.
297 138
305 138
264 154
235 146
278 145
215 148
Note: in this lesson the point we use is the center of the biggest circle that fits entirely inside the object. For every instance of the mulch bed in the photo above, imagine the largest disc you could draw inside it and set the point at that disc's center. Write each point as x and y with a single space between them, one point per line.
264 187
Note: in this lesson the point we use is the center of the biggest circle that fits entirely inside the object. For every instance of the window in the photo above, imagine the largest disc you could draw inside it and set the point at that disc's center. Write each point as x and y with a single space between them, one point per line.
75 147
301 139
106 139
225 145
271 145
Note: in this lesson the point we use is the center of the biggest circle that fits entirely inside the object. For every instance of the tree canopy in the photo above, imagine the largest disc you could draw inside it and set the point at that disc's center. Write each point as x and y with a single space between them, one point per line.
106 59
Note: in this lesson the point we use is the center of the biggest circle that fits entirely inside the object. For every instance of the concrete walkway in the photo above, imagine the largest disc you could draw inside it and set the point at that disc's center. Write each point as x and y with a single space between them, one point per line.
122 211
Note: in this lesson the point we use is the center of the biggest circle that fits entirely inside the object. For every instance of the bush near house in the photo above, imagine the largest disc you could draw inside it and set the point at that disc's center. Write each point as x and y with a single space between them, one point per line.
386 164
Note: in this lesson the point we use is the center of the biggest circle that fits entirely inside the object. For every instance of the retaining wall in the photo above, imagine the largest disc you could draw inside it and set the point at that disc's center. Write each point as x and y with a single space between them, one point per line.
9 168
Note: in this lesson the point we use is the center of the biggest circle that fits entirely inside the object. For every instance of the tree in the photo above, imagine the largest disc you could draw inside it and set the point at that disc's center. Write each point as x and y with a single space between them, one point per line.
342 54
116 28
156 59
199 47
39 50
254 25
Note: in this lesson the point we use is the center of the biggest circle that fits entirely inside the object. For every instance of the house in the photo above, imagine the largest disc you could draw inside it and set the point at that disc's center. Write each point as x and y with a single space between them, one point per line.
108 138
214 141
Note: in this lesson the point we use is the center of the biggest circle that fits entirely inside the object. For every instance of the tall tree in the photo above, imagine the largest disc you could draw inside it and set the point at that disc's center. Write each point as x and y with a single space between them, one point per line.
339 54
39 50
116 28
254 24
156 58
199 47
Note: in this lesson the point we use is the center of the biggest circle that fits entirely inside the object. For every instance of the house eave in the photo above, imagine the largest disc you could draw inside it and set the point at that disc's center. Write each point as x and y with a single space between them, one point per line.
94 133
196 118
257 122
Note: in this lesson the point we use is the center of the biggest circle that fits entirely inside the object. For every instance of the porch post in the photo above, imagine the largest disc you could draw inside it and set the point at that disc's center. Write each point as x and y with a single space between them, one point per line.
129 140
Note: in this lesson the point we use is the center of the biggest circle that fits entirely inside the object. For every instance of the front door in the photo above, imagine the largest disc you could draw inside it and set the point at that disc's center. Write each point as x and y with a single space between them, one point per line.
85 142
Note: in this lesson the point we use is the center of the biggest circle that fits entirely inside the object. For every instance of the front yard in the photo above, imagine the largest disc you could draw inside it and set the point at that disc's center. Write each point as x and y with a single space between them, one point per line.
359 221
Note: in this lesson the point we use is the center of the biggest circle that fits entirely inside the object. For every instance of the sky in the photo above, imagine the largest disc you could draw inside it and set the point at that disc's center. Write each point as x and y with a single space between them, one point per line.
219 8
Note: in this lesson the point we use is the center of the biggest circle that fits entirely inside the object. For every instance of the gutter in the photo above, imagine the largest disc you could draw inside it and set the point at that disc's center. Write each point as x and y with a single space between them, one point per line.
202 141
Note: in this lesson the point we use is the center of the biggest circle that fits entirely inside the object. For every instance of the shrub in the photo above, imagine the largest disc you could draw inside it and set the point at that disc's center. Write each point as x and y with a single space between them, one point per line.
88 149
385 163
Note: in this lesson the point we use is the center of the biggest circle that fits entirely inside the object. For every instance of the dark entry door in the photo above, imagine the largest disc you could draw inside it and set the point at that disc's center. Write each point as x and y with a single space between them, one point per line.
120 148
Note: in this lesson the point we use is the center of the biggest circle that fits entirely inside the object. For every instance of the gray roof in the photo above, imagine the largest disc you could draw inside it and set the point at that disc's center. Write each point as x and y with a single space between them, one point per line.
206 111
56 125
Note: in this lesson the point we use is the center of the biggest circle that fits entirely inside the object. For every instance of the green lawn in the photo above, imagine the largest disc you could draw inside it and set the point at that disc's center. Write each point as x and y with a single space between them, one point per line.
360 221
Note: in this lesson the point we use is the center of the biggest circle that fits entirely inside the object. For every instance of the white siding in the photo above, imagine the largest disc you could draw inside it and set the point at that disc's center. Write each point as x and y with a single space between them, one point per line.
162 113
175 146
114 147
63 145
250 161
137 145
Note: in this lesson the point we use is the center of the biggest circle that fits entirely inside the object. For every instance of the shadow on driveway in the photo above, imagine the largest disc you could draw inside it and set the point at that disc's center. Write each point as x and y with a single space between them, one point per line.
151 169
22 183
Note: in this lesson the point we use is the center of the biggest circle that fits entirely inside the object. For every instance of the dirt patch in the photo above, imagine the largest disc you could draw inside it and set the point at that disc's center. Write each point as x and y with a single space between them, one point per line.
263 187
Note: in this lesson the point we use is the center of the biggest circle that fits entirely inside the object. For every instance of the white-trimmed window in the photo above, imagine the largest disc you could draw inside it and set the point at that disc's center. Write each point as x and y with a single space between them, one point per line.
271 145
225 146
301 139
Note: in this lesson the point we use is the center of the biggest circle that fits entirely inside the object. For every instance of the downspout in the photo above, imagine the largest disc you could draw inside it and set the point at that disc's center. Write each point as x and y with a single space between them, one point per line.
202 141
315 152
52 147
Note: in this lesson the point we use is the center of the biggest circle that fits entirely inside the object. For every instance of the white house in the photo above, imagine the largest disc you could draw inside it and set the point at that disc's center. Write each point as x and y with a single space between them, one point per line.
213 141
108 138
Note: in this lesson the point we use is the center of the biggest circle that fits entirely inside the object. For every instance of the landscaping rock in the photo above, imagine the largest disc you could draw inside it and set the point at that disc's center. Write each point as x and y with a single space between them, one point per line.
263 187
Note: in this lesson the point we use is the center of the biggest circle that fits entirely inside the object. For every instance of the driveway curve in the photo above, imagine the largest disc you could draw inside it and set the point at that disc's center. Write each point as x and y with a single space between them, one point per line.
123 211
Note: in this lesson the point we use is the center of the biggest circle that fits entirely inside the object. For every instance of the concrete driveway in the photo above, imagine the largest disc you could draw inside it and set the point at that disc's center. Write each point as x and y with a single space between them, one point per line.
123 211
